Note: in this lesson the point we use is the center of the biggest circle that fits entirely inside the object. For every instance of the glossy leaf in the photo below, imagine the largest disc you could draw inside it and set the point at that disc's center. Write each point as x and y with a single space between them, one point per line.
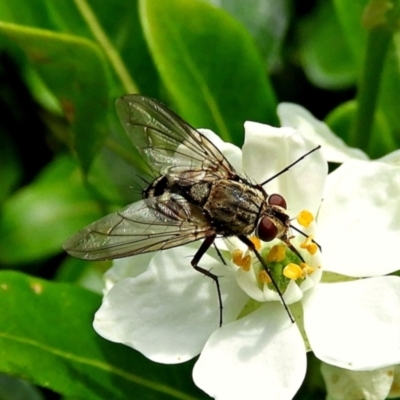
10 168
51 343
74 71
266 21
209 65
37 219
350 17
325 54
17 389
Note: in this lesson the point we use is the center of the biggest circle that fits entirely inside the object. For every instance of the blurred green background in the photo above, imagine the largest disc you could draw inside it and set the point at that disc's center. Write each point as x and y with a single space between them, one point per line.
65 160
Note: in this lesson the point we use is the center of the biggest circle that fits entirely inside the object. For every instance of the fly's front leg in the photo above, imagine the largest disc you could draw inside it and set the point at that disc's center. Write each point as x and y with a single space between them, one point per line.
208 241
252 247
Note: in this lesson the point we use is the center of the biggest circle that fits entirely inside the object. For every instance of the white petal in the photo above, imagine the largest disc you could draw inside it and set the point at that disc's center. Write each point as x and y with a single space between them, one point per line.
355 325
359 220
354 385
261 356
334 149
395 389
392 158
229 150
268 150
128 267
168 312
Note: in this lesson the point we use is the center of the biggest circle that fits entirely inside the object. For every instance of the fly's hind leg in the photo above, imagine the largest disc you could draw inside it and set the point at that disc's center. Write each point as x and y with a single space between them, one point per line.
208 241
252 247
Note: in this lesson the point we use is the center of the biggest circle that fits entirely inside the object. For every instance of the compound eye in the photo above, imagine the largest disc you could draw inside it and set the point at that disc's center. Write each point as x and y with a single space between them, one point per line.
266 230
277 200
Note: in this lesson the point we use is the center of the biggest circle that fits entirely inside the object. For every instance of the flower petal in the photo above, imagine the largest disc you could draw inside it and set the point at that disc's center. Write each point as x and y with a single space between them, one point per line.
395 389
160 311
128 267
229 150
354 385
355 325
268 150
260 356
334 149
359 219
392 158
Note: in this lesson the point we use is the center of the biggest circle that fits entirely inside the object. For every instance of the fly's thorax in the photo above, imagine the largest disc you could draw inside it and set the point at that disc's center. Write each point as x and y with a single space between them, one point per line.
233 207
156 188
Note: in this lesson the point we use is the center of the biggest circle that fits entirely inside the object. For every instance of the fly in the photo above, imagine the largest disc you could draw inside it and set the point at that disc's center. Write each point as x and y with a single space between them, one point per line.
198 195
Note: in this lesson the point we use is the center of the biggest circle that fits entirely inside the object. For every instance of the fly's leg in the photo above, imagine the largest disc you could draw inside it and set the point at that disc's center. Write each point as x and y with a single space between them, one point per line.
252 247
219 254
303 234
208 241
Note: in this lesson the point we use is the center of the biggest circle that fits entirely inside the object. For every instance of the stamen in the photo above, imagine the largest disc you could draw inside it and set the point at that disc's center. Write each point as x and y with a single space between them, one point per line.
263 277
277 253
256 241
305 218
309 245
307 270
293 271
241 260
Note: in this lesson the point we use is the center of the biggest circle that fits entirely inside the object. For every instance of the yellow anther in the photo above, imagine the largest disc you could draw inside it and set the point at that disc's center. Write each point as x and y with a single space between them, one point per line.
312 248
307 270
263 277
246 262
237 256
277 253
309 245
241 260
256 241
305 218
293 271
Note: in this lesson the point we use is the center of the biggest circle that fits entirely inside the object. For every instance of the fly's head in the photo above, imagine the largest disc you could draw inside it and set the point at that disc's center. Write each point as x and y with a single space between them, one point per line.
274 221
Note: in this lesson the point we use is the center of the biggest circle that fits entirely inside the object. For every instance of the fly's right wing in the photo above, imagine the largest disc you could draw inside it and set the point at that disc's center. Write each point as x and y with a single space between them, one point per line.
166 141
151 224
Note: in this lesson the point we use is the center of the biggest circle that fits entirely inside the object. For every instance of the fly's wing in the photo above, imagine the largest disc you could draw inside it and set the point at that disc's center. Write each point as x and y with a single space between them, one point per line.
167 142
151 224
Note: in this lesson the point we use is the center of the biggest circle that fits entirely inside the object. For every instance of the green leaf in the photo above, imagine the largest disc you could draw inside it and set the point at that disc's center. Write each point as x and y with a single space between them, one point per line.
326 57
266 21
46 337
37 219
209 65
10 168
17 389
88 275
74 71
350 14
122 26
25 13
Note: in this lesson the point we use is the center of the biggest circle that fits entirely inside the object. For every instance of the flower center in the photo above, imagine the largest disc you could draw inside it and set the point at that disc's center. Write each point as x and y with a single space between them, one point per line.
282 265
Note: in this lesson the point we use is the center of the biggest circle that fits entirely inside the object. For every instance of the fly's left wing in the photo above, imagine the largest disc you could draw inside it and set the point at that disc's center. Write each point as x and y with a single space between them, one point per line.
167 142
151 224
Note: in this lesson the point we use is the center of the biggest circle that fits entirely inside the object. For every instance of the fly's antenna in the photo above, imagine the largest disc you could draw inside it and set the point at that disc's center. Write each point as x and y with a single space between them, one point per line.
290 165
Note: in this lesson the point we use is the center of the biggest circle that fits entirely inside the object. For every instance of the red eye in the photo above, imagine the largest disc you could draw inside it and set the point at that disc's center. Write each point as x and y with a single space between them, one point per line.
266 230
277 200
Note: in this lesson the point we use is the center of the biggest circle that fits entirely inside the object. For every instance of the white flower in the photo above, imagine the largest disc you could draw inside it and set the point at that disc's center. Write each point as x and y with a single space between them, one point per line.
169 312
354 385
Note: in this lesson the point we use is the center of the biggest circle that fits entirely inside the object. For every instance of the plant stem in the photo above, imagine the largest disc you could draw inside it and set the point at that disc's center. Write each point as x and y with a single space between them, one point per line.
381 20
368 89
108 48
